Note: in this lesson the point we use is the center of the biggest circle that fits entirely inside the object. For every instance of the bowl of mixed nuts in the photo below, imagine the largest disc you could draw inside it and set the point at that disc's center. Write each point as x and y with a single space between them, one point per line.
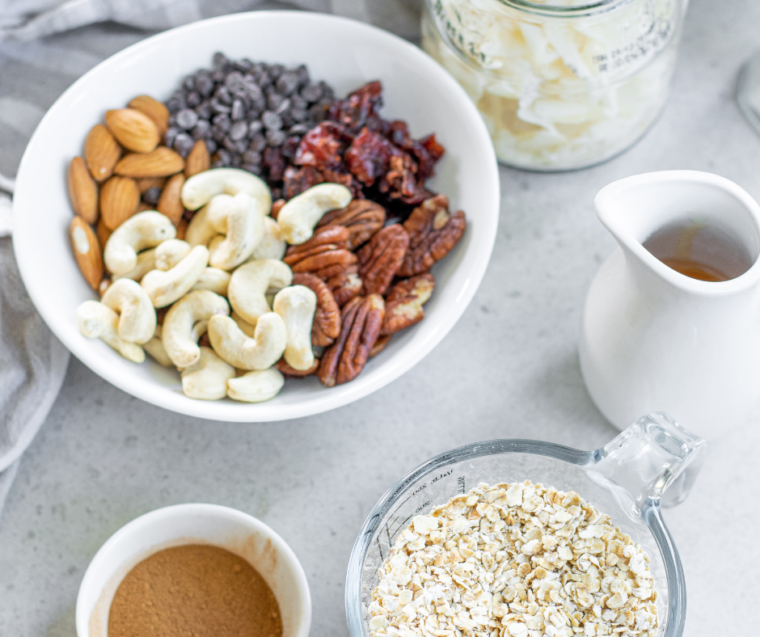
257 217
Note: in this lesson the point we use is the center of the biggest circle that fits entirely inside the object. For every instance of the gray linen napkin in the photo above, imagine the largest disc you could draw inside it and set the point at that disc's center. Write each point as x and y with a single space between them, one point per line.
34 70
32 361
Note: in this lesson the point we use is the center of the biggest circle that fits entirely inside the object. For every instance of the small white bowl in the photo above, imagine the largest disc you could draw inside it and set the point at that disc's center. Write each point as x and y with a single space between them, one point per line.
183 524
345 53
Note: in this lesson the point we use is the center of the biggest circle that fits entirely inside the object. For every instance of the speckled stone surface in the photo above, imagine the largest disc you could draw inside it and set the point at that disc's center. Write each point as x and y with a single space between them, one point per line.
508 369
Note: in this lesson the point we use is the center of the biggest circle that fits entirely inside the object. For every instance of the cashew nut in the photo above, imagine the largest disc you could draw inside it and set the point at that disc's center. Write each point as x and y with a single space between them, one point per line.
207 378
155 347
137 317
164 288
300 215
200 188
250 283
256 387
213 279
297 305
200 231
143 230
170 253
100 321
272 245
232 227
177 331
260 352
249 329
146 261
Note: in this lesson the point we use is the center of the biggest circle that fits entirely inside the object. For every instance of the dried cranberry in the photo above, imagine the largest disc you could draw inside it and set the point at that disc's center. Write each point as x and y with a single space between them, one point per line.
322 146
368 156
354 111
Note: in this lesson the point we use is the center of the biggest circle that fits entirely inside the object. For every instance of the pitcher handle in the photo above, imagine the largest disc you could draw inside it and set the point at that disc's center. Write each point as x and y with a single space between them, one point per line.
655 458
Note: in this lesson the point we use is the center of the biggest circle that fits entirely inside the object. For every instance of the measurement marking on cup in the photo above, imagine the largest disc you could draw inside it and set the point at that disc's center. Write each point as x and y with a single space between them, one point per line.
460 482
442 476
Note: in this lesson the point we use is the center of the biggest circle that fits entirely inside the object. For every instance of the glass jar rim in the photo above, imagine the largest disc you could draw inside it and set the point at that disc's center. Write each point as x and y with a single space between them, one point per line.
591 7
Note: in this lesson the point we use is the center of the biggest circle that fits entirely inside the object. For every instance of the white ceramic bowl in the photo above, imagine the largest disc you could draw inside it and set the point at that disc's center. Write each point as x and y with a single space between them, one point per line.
184 524
343 52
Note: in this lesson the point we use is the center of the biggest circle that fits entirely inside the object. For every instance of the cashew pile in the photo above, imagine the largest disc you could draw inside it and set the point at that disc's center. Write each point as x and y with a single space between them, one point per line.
224 284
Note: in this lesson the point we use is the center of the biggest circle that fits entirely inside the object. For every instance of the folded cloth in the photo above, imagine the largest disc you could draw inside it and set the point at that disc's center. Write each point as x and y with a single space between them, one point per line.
32 366
32 361
31 19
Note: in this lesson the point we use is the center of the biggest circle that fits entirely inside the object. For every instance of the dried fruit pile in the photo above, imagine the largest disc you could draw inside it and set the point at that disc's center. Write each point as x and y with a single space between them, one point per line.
317 282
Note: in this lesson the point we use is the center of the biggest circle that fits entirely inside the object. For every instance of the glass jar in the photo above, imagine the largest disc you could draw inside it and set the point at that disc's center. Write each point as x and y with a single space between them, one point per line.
561 84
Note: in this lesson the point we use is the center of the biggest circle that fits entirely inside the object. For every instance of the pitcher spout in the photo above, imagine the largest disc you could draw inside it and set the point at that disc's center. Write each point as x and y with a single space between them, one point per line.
685 213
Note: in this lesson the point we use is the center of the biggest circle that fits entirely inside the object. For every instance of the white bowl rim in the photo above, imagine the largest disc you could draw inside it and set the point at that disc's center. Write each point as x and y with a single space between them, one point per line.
175 510
324 401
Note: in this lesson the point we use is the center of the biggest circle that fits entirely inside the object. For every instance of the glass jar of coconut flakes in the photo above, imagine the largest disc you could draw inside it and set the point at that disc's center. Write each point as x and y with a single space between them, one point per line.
561 84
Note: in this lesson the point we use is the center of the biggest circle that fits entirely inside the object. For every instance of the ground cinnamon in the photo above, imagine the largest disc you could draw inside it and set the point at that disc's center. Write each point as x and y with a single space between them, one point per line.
194 591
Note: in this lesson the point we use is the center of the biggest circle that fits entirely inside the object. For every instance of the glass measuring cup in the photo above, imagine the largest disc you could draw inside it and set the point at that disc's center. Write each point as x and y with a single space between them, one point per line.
653 463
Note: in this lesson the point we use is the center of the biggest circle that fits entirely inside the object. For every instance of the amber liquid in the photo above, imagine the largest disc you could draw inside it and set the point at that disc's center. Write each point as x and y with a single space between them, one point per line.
700 252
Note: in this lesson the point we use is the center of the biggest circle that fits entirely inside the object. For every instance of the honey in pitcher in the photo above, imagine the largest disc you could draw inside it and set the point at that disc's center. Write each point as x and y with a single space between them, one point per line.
700 251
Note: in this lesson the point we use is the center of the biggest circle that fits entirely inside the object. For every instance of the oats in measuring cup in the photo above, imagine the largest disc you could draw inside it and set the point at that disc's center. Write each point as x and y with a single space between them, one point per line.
514 560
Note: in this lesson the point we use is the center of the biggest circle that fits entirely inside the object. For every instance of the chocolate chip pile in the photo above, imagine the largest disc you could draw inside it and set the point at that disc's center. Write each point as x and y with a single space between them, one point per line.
251 115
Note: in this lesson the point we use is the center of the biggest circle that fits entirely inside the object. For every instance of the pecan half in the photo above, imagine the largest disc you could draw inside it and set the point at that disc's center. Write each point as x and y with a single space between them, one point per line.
362 217
326 326
381 257
326 247
288 371
433 232
346 285
380 344
403 306
344 360
276 207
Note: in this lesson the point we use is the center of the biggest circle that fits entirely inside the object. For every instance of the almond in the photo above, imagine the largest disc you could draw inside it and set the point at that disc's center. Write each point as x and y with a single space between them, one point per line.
83 191
103 232
134 130
197 160
162 162
150 182
101 152
119 198
170 203
145 206
153 109
87 251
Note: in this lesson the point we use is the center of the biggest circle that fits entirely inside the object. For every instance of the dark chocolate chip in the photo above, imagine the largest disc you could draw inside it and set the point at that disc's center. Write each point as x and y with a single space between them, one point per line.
170 134
287 82
238 130
186 118
183 144
238 110
271 121
152 195
275 137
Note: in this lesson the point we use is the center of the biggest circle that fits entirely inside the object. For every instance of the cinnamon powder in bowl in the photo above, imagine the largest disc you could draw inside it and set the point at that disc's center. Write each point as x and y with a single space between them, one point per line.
199 570
198 590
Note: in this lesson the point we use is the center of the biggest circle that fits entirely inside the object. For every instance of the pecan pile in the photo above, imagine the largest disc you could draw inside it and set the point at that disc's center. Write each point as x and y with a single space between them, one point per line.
371 279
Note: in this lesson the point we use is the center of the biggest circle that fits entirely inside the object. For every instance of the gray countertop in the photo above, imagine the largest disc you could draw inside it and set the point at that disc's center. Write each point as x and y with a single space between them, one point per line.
508 369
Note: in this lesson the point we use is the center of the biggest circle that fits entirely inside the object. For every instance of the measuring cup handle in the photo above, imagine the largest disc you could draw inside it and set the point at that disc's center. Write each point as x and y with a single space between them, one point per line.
653 458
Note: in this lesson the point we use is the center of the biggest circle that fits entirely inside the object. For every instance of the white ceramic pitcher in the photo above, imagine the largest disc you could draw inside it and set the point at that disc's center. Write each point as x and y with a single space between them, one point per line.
653 339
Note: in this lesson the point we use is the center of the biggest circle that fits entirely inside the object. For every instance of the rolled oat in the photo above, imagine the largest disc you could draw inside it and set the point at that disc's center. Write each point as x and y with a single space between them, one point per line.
514 560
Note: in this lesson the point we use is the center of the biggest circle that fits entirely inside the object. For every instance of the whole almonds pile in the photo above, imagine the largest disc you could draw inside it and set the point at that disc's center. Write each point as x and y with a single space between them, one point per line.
125 170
